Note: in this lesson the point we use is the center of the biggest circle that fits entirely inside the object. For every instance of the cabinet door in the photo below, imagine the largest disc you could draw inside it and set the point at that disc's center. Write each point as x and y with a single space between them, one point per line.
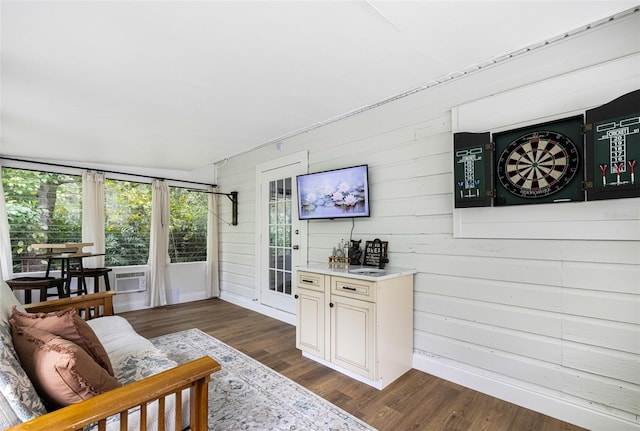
353 335
310 322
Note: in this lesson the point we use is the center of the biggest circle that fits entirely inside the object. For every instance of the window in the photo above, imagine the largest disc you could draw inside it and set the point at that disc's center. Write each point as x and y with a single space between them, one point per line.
188 230
127 222
280 196
41 207
47 207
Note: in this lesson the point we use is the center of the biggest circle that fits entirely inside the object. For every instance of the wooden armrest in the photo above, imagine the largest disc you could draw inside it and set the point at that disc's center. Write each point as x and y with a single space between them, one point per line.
100 300
194 375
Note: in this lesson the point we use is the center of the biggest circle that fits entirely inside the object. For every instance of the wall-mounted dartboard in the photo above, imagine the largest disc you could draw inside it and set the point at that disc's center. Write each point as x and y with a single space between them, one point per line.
540 164
559 161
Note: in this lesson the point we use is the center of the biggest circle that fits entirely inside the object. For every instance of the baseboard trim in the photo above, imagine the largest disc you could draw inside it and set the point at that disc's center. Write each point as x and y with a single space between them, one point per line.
254 305
122 305
190 297
547 404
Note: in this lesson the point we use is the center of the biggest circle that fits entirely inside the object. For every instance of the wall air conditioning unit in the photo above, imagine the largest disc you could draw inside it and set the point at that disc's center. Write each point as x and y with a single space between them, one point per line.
127 282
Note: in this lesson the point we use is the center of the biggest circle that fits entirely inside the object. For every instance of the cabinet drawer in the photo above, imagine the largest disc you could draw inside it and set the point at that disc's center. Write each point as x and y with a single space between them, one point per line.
310 280
352 288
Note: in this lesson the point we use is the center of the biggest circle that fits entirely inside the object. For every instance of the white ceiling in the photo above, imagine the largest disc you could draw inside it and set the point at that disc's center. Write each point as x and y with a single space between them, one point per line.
183 84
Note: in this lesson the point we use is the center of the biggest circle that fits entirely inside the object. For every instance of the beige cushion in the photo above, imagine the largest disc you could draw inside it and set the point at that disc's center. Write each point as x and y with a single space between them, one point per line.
130 351
7 301
61 371
68 325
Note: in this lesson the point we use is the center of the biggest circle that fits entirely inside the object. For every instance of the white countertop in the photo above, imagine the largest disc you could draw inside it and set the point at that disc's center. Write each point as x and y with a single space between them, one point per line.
361 272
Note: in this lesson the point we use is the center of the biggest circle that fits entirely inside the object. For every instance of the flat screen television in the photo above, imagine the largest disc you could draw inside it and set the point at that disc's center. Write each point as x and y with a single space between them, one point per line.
339 193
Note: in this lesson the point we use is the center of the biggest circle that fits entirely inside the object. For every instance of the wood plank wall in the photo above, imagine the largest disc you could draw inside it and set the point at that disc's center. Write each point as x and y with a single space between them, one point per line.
557 318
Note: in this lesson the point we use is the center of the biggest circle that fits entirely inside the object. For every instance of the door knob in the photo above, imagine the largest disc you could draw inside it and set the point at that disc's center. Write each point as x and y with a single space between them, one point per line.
295 296
296 247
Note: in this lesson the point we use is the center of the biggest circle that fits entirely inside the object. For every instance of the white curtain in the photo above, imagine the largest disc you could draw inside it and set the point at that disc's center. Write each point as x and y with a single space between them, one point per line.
6 261
212 282
93 216
158 245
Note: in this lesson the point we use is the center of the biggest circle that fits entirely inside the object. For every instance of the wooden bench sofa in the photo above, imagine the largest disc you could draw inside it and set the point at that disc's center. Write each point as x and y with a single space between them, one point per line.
183 387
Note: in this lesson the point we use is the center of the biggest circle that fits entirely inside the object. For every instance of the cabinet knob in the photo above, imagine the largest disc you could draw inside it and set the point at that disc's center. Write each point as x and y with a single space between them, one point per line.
331 305
295 296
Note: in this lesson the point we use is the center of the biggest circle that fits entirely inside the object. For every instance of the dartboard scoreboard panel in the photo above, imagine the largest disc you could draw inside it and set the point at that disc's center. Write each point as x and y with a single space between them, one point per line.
614 152
565 160
613 145
472 169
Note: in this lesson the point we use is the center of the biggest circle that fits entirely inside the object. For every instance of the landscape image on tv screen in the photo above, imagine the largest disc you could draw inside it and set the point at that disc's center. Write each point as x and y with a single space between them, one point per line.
334 194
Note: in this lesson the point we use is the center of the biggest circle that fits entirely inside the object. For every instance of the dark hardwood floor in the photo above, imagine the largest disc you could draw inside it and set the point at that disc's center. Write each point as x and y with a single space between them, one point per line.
416 401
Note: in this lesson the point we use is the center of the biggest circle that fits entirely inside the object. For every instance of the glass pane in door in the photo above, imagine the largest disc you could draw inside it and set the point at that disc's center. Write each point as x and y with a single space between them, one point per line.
280 236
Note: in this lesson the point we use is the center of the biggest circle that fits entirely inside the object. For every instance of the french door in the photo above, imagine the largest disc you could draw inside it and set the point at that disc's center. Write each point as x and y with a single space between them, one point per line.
282 237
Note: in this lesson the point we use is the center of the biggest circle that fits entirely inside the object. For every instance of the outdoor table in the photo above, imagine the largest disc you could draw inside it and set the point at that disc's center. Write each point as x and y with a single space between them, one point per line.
67 253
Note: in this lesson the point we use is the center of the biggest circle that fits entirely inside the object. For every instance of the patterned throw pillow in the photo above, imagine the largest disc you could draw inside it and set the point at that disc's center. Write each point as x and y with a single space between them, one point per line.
15 386
7 416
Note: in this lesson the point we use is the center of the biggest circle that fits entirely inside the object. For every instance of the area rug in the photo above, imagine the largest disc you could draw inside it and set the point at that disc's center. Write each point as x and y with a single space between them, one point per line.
246 395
